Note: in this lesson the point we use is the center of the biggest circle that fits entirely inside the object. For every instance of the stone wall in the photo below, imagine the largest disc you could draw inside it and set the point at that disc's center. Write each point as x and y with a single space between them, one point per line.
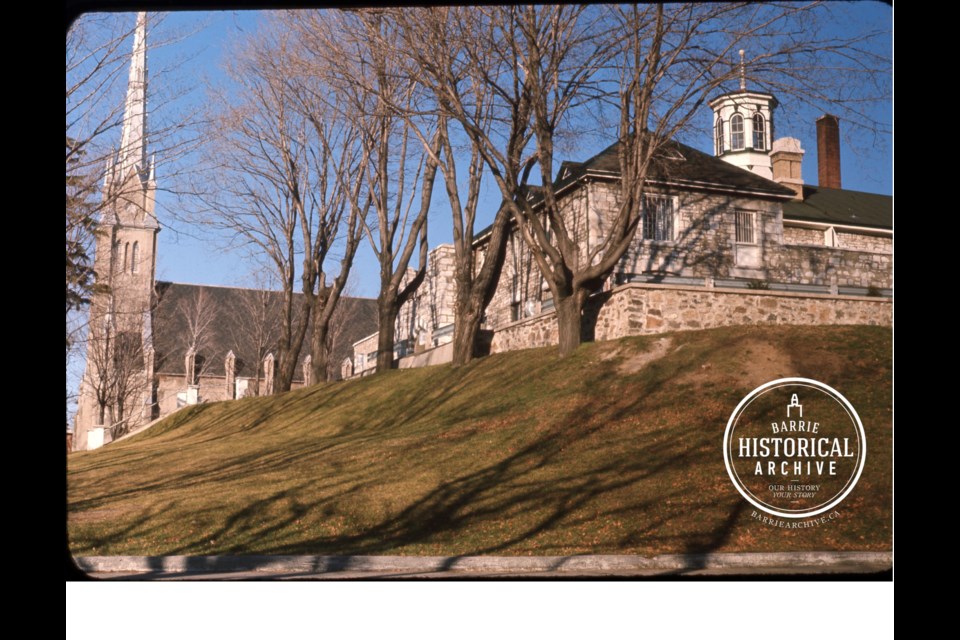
640 309
432 306
864 242
849 240
529 333
829 266
703 244
704 235
802 235
520 291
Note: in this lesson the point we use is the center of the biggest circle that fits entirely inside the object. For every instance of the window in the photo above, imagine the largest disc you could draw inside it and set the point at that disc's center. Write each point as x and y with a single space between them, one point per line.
126 257
658 218
736 132
136 258
746 230
719 136
514 311
759 133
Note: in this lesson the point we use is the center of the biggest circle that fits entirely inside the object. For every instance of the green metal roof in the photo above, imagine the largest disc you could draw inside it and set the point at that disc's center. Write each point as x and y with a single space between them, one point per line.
841 206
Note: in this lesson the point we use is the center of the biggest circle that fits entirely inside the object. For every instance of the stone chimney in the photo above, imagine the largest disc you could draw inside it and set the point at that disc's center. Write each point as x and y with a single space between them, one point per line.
828 151
786 156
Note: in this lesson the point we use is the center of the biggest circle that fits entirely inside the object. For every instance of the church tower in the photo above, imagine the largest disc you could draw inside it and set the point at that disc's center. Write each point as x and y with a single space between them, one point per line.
743 127
116 391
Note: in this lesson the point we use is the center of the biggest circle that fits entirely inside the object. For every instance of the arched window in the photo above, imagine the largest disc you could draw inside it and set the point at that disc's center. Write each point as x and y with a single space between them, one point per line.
719 135
126 257
736 132
759 133
136 257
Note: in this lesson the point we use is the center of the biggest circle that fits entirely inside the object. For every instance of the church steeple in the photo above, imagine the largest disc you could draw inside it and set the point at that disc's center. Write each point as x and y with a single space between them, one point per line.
129 181
126 245
118 383
133 141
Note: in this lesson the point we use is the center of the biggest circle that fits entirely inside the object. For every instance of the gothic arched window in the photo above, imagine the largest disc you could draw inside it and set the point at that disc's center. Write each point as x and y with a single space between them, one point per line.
759 133
126 257
719 135
136 257
736 132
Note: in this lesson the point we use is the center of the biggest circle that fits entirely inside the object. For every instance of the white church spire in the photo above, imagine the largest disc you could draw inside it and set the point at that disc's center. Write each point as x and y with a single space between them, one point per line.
133 142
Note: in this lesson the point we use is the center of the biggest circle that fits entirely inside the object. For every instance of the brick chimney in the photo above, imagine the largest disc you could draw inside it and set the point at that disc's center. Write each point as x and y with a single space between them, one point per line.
786 156
828 151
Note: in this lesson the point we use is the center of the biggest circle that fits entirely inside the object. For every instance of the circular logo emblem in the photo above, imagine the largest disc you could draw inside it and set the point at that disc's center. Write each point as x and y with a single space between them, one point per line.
794 447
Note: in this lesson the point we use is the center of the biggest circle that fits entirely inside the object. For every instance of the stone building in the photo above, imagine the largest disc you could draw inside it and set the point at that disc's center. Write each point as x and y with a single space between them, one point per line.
153 346
424 323
729 238
737 231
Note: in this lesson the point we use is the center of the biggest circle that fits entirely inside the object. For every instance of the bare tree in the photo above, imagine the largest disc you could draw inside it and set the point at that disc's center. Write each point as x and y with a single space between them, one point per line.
439 49
654 66
279 183
198 313
397 172
116 372
255 330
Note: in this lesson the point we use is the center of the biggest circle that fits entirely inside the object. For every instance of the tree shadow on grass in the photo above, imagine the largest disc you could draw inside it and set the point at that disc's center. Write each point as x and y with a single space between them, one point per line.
533 498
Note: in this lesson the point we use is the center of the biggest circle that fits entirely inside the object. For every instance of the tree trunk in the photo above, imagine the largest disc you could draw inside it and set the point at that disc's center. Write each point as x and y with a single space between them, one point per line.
467 326
477 291
319 353
286 364
569 316
387 317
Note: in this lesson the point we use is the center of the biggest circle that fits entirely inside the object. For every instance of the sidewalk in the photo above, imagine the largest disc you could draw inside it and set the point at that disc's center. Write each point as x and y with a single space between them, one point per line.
469 567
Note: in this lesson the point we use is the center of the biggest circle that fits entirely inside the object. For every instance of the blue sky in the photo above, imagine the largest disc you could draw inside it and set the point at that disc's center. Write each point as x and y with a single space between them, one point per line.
186 255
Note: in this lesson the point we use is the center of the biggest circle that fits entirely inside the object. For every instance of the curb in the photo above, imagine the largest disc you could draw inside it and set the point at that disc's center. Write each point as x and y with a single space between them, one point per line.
867 560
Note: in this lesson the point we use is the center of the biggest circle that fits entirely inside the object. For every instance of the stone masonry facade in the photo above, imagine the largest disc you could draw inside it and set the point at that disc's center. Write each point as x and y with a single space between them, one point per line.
641 309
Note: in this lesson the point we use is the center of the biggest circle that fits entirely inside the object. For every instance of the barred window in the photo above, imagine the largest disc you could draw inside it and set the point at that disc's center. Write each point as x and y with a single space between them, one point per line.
736 132
658 218
759 133
746 229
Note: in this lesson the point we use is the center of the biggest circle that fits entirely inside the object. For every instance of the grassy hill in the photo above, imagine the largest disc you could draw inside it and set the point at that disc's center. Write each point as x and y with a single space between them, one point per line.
617 449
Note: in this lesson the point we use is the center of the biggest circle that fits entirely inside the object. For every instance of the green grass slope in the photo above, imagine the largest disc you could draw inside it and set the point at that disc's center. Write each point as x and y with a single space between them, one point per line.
615 450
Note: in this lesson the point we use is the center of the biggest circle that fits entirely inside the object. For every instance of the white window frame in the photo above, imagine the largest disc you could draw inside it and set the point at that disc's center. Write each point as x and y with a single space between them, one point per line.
762 131
674 218
751 238
718 136
734 120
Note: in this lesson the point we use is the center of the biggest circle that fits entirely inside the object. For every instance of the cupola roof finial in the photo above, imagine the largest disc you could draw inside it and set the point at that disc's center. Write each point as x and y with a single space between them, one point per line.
743 72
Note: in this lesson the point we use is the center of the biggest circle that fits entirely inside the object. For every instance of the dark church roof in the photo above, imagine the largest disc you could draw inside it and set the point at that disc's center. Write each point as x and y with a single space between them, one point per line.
841 206
232 318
